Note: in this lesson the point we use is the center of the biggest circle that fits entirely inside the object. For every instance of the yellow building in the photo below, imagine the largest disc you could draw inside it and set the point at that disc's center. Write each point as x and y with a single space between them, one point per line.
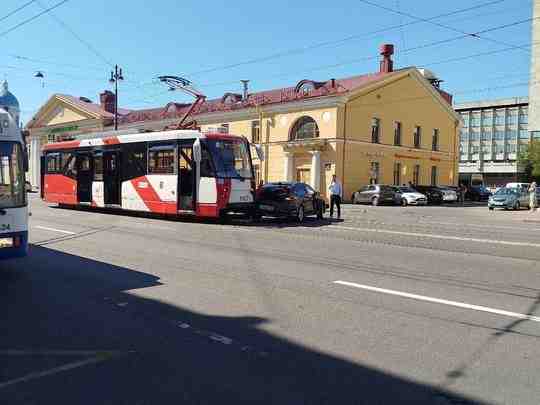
65 117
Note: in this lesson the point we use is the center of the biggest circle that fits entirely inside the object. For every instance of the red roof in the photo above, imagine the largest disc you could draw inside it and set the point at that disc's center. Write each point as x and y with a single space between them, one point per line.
332 87
92 107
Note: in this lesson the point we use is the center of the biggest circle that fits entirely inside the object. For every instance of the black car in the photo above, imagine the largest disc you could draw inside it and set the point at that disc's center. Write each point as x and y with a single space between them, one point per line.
434 194
477 193
289 199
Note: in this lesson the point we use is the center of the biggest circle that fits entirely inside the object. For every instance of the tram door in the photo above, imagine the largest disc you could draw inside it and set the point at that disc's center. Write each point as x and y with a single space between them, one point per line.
186 177
85 175
111 177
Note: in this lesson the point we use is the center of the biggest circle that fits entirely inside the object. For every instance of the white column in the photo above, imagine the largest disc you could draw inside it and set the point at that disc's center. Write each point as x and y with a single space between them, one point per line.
316 169
288 166
35 161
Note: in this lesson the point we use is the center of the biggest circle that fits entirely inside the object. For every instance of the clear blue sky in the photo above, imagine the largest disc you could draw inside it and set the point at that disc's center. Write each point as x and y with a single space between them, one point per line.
149 38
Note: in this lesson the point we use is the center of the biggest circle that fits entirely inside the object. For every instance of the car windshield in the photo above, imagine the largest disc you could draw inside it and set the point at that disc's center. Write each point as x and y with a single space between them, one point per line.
12 191
506 191
406 190
387 189
231 158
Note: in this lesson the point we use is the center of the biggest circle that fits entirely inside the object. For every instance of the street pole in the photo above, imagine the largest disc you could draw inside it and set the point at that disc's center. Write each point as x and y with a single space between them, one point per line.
115 77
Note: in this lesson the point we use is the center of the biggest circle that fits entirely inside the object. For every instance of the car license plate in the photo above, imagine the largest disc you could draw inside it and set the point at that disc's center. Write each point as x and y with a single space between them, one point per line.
6 242
266 207
244 198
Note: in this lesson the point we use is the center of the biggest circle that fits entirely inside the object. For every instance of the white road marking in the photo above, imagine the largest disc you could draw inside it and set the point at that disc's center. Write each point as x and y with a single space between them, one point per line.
441 301
55 230
56 370
433 236
55 352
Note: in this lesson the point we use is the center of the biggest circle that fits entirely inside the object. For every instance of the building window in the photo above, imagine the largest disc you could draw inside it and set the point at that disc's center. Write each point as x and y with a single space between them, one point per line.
465 117
397 133
486 135
512 118
475 120
375 130
51 138
511 148
397 173
535 134
475 148
499 148
374 173
498 135
161 160
434 175
417 137
511 135
416 175
224 129
487 119
435 140
499 117
524 134
304 128
474 136
255 132
523 118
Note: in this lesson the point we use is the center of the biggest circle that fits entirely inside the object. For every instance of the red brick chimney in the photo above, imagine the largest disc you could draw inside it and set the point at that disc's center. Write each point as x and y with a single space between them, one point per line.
107 100
387 65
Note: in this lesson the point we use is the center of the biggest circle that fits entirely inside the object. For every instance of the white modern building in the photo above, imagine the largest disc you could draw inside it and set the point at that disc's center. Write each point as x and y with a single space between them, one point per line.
493 134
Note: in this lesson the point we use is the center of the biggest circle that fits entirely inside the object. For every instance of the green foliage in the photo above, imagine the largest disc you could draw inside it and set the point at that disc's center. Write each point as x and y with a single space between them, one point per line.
530 160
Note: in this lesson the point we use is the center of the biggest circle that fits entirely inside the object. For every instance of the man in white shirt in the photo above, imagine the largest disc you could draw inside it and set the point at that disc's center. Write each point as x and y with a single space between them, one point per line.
336 192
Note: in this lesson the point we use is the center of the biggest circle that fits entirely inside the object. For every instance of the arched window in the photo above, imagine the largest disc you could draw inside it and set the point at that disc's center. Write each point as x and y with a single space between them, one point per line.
304 128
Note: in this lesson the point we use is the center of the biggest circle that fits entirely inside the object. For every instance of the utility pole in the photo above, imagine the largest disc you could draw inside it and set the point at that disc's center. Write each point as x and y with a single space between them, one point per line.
115 77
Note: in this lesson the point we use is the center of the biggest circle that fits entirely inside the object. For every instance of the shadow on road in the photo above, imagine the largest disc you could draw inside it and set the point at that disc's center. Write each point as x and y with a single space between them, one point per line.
60 303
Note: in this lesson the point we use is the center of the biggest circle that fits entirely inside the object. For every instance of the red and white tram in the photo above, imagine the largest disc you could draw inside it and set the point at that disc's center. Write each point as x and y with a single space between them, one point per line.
171 172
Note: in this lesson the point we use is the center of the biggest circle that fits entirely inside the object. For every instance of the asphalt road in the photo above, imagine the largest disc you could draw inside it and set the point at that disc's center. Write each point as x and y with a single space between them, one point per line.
434 305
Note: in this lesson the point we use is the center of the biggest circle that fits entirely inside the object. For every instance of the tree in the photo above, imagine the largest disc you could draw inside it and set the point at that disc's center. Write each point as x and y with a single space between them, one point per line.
529 159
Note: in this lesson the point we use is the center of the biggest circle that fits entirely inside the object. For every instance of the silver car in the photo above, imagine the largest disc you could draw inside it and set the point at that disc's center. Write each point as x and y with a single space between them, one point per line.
509 198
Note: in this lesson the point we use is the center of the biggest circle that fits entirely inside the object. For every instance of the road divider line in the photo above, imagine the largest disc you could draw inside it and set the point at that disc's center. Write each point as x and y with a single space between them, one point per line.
440 301
52 371
434 236
55 230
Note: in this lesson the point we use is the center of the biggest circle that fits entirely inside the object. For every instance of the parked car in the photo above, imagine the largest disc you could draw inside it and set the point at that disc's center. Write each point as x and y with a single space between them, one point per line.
411 197
449 194
376 194
289 199
477 193
524 186
434 194
509 198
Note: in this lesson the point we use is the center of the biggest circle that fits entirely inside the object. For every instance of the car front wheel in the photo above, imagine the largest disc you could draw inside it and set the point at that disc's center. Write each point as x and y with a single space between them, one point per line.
516 206
404 202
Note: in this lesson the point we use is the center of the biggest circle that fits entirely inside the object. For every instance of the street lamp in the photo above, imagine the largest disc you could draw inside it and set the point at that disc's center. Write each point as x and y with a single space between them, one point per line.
115 77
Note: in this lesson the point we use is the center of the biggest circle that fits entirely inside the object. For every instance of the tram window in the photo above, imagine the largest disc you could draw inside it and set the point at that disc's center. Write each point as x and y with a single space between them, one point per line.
68 164
161 160
98 167
85 163
206 164
53 163
134 161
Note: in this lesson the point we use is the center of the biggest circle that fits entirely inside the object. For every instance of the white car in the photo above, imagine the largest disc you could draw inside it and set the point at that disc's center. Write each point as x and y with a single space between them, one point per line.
449 195
411 197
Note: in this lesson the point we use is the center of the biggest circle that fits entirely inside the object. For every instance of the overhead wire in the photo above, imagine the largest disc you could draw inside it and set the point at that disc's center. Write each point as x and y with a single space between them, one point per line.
300 50
430 21
17 10
24 22
67 28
